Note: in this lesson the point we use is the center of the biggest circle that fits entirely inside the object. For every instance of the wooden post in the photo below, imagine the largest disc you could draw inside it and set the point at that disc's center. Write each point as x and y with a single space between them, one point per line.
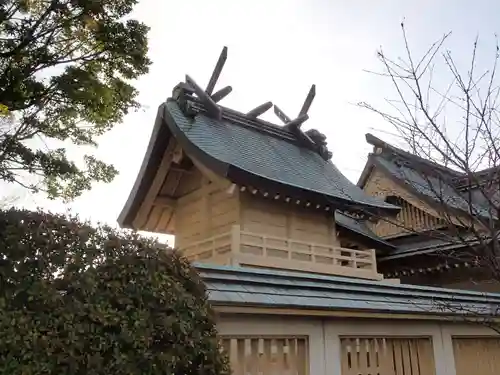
374 260
235 244
205 207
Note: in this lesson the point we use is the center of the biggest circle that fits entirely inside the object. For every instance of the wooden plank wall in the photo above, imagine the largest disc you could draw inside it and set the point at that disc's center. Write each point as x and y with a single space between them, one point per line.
277 219
190 182
207 211
415 214
477 355
387 356
267 355
189 221
223 211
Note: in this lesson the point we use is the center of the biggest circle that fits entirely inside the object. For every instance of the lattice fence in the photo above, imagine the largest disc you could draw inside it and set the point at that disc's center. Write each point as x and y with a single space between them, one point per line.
387 356
267 356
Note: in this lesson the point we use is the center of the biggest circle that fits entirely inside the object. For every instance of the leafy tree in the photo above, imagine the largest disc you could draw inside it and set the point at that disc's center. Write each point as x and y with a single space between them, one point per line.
89 300
65 72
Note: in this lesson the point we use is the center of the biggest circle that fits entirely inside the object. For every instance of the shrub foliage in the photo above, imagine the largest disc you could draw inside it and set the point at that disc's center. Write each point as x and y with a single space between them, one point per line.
78 299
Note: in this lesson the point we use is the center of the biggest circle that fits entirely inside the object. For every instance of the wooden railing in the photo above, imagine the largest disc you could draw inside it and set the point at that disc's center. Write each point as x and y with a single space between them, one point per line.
215 249
244 248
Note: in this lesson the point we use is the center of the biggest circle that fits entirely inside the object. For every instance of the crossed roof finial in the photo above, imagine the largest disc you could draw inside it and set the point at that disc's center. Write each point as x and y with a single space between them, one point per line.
211 99
312 138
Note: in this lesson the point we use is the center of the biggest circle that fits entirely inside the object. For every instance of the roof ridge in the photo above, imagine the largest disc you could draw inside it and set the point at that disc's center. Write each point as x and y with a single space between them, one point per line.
459 178
482 177
377 142
241 119
311 139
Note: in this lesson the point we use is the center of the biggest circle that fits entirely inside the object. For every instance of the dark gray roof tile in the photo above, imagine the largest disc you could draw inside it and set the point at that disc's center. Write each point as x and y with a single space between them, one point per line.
271 288
436 189
360 227
427 178
270 157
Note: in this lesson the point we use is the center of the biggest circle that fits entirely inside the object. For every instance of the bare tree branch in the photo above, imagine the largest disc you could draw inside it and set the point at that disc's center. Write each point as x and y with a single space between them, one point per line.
452 134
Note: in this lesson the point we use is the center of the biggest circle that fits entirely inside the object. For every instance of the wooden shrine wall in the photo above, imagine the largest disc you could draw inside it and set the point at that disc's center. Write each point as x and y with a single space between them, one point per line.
286 220
477 355
387 356
258 355
283 344
208 211
211 210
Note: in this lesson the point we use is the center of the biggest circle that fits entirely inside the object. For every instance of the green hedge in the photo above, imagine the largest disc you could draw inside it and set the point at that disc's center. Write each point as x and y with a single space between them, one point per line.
77 299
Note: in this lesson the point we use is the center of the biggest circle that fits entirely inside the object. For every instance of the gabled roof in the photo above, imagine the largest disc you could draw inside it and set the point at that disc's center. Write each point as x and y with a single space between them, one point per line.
478 178
249 152
427 244
267 153
429 181
237 286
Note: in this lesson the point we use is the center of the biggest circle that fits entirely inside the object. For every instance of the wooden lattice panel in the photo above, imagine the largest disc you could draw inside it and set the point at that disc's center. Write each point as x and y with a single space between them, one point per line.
267 356
414 213
477 355
387 356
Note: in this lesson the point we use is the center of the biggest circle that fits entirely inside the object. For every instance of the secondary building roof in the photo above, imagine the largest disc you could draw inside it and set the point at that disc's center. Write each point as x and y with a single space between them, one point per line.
246 287
436 184
428 180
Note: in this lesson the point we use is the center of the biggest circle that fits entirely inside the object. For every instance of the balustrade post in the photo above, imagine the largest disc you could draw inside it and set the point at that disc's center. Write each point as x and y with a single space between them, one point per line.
235 243
374 260
354 262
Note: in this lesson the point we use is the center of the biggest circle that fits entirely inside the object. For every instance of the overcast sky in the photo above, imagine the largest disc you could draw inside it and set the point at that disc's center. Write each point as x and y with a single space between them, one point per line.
277 49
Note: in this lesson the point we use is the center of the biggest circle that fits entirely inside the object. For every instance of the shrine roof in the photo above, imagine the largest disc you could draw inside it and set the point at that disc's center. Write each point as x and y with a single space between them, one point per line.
432 182
247 287
250 152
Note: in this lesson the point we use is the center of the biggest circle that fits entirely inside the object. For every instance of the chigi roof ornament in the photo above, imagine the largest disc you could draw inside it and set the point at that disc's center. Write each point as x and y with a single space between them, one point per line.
311 139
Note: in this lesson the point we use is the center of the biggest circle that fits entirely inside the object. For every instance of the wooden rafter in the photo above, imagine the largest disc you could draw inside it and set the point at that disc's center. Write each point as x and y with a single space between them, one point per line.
212 108
177 154
181 170
312 138
162 201
308 101
281 115
216 73
257 111
206 172
142 215
302 116
294 125
207 96
221 94
171 183
297 123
